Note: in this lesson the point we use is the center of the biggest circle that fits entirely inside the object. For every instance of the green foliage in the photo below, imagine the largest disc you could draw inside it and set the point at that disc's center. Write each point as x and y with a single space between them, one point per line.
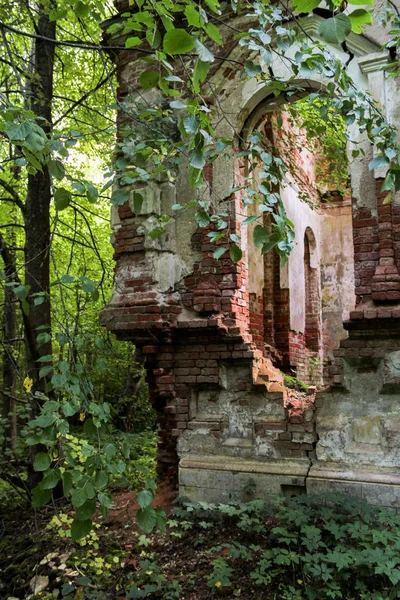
294 383
316 547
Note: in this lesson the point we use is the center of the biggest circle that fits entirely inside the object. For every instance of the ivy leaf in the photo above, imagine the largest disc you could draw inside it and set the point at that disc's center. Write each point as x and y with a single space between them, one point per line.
149 79
80 529
260 235
178 41
359 18
235 253
146 518
336 29
42 461
62 198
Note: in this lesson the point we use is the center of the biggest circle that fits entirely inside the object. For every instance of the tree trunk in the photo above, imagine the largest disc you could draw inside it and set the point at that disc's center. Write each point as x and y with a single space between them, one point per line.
37 220
37 206
9 328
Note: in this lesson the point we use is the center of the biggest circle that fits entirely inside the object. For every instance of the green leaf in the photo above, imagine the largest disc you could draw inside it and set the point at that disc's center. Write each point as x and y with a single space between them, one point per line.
336 29
146 518
137 203
379 161
86 510
193 16
81 494
56 169
235 253
260 235
144 498
46 358
213 33
219 252
62 198
149 79
66 589
191 124
161 519
204 53
50 480
80 529
40 497
58 380
131 42
359 18
252 69
66 478
21 291
81 9
91 193
45 371
200 73
202 218
42 461
197 158
177 41
101 480
250 219
305 6
120 196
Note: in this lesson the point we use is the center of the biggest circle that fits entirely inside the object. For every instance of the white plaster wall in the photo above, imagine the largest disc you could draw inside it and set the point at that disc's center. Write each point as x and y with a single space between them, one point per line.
302 217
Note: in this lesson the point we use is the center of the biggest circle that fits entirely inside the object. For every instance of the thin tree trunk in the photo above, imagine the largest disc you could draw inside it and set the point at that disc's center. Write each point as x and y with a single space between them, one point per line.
9 327
37 206
37 218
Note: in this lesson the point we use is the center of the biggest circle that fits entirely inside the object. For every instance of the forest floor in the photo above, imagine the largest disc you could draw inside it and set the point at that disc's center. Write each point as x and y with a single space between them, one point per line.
299 549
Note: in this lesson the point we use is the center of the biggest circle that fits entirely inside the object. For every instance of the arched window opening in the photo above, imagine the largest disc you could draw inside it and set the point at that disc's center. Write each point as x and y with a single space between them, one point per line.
312 309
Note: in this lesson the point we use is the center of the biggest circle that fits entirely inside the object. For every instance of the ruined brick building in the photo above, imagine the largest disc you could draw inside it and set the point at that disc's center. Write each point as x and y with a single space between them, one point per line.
216 335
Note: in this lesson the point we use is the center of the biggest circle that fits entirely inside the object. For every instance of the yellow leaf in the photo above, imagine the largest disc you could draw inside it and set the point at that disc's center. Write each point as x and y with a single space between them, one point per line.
28 383
82 416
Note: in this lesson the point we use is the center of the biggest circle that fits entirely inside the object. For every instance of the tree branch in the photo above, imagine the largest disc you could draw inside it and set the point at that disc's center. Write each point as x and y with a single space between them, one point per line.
83 98
15 197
